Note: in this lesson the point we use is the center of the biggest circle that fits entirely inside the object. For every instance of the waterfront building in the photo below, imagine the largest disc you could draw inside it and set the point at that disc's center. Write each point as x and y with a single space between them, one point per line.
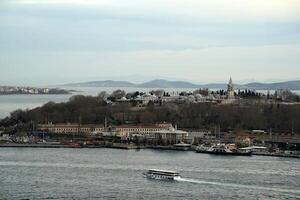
198 136
171 136
5 137
160 132
146 130
71 128
125 130
261 136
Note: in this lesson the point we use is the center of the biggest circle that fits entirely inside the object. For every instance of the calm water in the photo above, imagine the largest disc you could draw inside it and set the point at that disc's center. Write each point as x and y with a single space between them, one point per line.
9 103
117 174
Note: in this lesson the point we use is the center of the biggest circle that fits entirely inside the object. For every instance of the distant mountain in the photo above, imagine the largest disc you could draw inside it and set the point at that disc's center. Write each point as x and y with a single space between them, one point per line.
160 83
214 86
107 83
292 85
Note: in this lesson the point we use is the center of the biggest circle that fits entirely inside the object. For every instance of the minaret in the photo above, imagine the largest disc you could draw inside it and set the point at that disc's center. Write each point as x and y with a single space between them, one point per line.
230 89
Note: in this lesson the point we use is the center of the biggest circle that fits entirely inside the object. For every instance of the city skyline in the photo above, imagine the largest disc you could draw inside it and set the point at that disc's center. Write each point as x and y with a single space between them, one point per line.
56 42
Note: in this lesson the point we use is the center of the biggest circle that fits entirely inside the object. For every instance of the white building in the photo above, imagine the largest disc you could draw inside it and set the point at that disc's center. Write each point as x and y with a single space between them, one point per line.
146 98
71 128
141 129
230 89
171 136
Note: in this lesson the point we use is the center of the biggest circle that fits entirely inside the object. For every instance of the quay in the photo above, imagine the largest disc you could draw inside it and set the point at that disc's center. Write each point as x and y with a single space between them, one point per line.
35 145
128 147
275 154
114 145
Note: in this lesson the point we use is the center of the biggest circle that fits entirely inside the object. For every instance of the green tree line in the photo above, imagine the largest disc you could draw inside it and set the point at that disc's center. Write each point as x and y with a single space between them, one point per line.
94 110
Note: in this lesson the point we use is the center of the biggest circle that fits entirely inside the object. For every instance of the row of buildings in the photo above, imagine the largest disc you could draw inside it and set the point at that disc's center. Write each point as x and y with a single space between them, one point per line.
159 97
166 133
163 132
176 98
228 96
30 90
261 136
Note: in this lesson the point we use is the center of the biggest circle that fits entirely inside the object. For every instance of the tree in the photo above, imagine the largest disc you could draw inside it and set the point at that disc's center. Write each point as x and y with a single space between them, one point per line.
117 94
103 95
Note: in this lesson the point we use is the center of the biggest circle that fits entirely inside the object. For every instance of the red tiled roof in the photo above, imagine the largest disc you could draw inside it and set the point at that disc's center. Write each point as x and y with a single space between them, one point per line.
163 125
73 125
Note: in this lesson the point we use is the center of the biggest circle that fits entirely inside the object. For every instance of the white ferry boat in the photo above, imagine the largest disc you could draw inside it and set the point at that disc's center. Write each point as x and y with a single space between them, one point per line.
222 149
161 174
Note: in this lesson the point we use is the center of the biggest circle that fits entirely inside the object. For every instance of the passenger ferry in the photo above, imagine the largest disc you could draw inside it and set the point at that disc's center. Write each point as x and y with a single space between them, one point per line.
161 174
222 149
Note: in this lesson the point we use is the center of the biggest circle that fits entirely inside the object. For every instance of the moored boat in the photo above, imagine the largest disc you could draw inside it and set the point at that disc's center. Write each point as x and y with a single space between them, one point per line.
222 149
161 174
182 146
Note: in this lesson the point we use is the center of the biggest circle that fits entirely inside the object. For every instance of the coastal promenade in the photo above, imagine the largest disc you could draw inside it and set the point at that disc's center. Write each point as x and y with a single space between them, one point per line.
275 154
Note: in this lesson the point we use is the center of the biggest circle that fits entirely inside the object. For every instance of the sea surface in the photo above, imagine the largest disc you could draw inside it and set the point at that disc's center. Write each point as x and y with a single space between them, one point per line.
9 103
40 173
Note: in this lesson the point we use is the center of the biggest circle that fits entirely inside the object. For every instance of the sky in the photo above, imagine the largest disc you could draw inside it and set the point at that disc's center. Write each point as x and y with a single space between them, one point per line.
46 42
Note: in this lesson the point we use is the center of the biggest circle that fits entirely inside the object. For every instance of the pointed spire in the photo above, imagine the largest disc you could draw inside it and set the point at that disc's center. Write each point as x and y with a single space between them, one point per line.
230 81
230 89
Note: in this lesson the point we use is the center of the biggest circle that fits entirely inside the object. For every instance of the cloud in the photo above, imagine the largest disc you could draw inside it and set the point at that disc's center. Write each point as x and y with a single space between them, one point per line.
65 28
202 65
190 39
212 10
72 2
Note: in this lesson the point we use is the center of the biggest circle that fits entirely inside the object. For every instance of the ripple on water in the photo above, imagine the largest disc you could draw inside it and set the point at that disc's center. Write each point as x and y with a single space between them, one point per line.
117 174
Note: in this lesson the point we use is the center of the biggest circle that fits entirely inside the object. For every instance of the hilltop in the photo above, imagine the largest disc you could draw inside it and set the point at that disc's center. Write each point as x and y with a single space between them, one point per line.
161 83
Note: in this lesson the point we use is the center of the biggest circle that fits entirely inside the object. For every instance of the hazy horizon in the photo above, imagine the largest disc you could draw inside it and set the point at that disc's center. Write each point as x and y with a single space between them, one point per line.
135 79
53 42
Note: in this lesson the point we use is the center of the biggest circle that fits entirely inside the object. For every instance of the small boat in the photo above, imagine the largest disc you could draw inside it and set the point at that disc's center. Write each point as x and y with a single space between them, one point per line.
182 146
161 174
222 149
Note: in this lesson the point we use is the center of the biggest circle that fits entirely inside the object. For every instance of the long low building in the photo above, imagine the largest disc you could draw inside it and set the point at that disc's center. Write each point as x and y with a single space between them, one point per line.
141 129
71 128
122 130
158 131
247 136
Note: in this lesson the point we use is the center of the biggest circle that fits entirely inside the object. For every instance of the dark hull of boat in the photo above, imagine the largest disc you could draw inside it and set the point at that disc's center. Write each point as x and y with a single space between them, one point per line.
226 153
160 177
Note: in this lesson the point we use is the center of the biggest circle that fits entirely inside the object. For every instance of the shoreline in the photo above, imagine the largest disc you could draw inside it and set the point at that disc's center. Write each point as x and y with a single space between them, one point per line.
126 147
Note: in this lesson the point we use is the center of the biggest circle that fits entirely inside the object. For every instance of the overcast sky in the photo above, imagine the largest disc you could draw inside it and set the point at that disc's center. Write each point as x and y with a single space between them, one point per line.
59 41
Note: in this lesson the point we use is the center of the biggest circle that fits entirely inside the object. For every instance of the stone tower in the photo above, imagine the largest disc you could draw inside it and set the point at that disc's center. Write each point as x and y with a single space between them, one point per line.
230 89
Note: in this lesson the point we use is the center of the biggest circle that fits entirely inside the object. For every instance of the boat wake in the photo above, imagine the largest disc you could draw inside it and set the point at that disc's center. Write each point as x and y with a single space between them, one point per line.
281 190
